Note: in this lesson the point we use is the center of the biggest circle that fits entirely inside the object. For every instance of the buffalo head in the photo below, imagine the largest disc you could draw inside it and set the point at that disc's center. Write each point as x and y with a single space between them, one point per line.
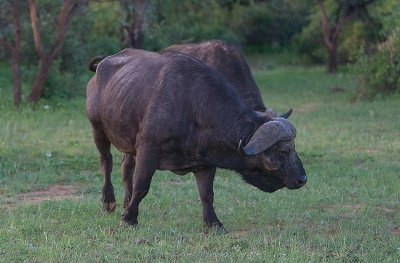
273 158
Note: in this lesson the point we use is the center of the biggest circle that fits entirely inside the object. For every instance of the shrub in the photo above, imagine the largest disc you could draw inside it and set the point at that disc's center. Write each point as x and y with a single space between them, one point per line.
380 71
176 21
360 30
379 67
269 23
64 85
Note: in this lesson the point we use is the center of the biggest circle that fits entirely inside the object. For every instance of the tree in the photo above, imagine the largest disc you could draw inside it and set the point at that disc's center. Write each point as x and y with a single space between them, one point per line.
68 9
133 25
333 23
14 46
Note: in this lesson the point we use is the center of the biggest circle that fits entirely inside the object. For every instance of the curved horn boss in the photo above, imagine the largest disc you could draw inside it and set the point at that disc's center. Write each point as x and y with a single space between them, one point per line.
268 134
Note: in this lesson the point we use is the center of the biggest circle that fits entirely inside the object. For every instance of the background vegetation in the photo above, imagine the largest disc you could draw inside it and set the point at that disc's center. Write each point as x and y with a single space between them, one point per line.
368 35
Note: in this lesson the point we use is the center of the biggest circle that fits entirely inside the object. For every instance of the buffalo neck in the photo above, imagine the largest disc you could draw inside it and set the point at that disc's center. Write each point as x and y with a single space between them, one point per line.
224 151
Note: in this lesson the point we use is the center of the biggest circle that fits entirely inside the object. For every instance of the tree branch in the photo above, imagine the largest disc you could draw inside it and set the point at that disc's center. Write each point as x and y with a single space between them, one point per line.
325 25
338 11
67 11
35 29
17 26
342 21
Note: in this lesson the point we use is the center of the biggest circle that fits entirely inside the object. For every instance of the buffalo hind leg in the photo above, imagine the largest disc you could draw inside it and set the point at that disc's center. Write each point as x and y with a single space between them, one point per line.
205 182
106 161
145 166
128 166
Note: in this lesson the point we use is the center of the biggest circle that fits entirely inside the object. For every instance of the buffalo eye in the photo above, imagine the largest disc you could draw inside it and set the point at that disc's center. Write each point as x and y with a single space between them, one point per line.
284 151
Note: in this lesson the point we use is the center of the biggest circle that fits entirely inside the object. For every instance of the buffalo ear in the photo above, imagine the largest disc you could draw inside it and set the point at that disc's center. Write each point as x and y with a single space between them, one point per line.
268 134
272 114
268 113
240 147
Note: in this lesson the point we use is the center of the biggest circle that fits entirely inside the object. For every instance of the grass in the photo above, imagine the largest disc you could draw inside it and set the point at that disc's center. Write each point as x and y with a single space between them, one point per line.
349 211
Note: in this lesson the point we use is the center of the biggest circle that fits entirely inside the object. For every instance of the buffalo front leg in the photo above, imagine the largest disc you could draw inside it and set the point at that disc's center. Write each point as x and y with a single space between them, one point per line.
205 182
146 165
128 166
106 161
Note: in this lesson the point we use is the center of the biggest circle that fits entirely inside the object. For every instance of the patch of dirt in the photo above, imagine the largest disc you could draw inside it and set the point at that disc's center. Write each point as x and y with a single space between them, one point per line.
52 192
385 209
365 150
396 230
307 107
353 206
337 89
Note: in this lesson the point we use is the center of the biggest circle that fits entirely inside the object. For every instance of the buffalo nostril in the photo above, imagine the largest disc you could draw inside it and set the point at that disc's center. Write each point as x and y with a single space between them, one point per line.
302 180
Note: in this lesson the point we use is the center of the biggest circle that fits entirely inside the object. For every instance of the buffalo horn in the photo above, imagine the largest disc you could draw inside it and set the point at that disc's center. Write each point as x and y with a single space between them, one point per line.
287 114
268 134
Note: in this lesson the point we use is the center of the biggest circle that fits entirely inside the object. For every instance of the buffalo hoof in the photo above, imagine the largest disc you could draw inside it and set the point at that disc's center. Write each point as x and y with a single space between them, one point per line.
109 207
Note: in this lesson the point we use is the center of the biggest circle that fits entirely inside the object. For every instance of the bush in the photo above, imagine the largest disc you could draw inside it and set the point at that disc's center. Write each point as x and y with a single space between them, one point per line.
64 85
361 30
309 40
91 33
379 67
186 21
380 72
269 23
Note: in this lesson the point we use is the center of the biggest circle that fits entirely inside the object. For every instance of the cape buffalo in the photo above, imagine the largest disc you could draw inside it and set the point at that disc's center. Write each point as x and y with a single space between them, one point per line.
231 63
172 112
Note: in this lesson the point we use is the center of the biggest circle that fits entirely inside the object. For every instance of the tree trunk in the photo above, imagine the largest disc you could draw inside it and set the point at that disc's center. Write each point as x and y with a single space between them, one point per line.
345 11
38 84
68 9
132 31
332 58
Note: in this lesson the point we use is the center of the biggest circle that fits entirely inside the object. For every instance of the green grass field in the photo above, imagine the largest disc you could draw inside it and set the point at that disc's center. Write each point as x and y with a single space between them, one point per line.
349 211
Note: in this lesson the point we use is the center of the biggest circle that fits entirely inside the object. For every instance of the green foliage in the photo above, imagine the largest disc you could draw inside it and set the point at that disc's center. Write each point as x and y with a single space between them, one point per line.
249 23
6 83
309 40
92 33
6 31
258 26
186 21
351 39
6 28
67 85
380 72
361 30
379 66
269 23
